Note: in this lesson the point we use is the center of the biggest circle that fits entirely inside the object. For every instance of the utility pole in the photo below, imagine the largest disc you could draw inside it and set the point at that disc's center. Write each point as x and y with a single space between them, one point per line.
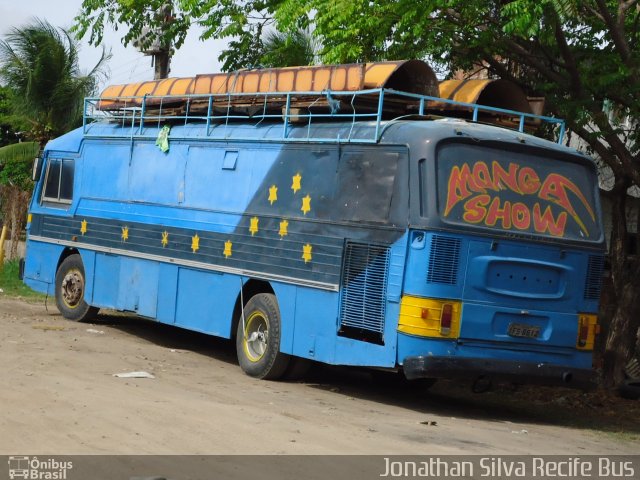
161 61
153 43
162 58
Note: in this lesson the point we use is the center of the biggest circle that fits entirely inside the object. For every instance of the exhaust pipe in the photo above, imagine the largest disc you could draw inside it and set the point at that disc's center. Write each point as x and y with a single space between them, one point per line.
567 377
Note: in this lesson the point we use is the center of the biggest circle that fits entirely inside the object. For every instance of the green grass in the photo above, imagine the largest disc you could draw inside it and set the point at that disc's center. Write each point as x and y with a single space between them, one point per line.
12 286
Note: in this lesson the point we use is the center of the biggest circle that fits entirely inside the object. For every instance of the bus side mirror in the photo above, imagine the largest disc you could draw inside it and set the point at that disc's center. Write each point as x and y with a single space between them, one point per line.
37 168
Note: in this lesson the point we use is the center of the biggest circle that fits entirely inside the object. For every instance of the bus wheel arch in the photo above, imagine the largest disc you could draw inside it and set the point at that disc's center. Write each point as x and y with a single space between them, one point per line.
258 332
70 285
67 252
249 289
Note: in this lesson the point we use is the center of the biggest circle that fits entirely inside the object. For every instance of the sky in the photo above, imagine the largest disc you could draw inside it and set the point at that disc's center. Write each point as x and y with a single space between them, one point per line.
127 64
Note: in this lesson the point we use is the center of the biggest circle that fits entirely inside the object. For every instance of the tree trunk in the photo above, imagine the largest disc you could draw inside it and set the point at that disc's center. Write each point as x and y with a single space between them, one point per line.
625 273
15 207
622 337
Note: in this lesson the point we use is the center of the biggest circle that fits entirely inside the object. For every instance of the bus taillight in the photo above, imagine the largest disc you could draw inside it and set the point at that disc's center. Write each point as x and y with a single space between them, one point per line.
587 329
429 317
446 319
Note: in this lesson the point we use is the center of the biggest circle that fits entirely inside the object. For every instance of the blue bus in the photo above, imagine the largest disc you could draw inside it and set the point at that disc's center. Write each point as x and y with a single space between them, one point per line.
436 247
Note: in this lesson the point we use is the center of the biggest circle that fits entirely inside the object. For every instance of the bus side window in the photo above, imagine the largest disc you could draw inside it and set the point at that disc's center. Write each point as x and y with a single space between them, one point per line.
58 186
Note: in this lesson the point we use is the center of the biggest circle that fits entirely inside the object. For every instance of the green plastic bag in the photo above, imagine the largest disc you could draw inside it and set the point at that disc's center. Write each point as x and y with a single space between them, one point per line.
162 142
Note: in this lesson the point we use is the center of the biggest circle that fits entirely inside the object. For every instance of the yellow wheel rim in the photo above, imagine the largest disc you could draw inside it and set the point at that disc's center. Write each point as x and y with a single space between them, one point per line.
256 336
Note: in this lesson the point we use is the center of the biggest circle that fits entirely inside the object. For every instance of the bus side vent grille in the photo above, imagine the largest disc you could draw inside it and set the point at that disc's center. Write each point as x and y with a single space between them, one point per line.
364 292
443 260
593 283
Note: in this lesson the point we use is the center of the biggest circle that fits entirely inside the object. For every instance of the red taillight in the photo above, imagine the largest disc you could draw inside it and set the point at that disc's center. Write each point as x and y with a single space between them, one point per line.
588 328
583 335
446 318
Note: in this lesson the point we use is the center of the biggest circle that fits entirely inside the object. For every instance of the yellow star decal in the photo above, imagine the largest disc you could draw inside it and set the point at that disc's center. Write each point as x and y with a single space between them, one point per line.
165 238
227 248
125 234
295 186
306 204
306 253
273 194
283 228
83 227
195 243
253 228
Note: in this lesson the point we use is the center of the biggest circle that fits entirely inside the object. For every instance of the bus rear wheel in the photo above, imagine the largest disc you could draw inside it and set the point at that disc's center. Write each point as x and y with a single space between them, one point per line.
258 339
70 288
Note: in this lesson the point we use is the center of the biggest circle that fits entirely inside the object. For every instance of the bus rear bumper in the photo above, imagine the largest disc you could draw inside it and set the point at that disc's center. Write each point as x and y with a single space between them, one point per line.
517 372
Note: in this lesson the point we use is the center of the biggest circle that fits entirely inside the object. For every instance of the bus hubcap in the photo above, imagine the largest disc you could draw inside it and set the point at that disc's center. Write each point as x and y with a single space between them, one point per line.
72 287
256 335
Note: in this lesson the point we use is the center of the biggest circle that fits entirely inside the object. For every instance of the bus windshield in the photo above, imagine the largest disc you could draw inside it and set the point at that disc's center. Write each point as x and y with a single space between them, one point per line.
514 191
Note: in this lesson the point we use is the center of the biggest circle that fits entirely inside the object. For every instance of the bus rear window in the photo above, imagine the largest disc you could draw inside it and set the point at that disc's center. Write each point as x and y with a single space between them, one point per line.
489 188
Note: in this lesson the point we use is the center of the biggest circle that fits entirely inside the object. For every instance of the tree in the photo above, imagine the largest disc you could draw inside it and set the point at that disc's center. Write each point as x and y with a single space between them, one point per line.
582 55
244 23
15 183
248 25
274 49
281 49
44 94
39 65
12 127
13 168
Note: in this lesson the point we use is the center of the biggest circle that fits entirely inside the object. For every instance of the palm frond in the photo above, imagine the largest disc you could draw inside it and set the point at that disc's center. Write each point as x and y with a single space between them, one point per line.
287 49
39 63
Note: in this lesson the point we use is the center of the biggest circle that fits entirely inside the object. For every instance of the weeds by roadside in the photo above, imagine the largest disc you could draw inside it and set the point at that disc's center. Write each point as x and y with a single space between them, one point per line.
12 286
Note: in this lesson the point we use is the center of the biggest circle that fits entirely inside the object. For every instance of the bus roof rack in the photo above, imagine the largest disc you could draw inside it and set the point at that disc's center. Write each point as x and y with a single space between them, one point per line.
397 89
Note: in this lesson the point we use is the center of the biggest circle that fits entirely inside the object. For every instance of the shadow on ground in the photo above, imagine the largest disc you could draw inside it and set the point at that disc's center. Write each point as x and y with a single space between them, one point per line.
597 410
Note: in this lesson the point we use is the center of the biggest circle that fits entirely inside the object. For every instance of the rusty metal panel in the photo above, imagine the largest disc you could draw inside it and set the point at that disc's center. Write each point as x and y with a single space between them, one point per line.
466 91
493 93
170 96
412 75
377 74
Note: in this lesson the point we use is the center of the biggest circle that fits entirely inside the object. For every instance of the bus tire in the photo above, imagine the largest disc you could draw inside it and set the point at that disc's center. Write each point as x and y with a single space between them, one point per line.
258 339
70 288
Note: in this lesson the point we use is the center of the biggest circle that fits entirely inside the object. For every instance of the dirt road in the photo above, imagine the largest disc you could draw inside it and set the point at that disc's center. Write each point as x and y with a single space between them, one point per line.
59 396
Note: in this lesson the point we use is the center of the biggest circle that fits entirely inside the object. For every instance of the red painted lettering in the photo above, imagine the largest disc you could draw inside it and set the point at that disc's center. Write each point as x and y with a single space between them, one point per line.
543 222
520 216
482 176
473 185
528 181
461 184
509 178
496 213
554 189
474 209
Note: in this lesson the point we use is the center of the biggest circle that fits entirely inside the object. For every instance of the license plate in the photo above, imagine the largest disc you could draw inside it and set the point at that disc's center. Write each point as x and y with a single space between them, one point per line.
522 330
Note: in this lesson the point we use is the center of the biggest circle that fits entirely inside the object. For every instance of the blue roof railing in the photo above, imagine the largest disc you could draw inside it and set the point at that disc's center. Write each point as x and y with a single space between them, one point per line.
218 111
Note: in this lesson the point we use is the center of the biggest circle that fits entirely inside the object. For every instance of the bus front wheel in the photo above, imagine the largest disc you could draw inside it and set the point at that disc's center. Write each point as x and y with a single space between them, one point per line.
258 339
70 288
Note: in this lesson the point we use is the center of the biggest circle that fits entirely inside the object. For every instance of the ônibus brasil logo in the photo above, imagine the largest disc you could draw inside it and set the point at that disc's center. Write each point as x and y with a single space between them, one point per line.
33 468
